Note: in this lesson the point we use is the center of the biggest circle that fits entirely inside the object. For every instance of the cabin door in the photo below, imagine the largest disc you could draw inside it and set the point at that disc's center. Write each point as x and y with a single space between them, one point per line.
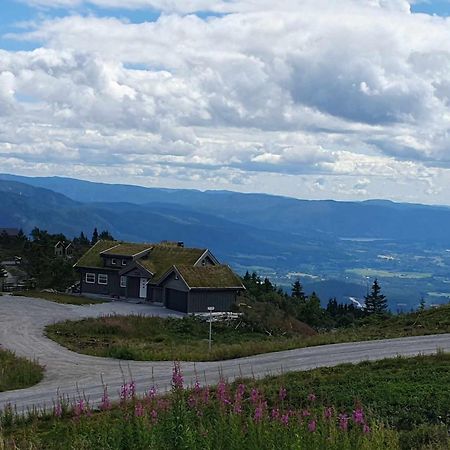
143 288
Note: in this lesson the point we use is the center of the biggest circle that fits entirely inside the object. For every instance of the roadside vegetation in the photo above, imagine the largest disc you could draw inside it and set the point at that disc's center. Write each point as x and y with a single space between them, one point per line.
373 405
17 372
58 297
169 339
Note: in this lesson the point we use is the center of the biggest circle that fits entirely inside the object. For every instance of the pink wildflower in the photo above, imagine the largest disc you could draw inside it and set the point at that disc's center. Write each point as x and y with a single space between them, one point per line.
282 393
306 413
285 419
151 393
366 429
105 403
127 390
328 413
139 410
177 376
312 426
197 388
358 416
241 390
257 417
80 407
237 408
343 422
312 397
154 416
222 393
254 396
275 414
57 410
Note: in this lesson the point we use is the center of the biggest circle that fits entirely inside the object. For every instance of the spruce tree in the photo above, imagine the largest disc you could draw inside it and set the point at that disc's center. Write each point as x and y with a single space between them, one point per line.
376 303
297 291
94 237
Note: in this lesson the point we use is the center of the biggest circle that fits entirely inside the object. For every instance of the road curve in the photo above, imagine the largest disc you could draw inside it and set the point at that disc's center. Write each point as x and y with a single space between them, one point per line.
22 321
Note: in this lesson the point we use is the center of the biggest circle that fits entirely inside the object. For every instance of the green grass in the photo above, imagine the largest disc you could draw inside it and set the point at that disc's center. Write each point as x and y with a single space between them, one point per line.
410 394
59 297
404 401
158 339
18 373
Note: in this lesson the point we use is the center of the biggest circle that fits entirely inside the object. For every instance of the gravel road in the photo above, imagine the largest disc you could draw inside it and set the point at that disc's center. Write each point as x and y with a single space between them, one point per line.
22 321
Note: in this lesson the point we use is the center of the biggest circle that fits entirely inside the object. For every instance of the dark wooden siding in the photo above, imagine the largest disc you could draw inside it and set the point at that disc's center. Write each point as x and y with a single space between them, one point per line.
199 300
112 288
155 294
176 300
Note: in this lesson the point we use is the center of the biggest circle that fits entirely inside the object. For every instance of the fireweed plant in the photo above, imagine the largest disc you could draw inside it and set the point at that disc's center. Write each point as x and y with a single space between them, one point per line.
229 416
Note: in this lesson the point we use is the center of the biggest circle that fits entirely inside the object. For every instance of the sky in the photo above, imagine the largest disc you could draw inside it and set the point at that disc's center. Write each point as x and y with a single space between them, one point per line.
315 99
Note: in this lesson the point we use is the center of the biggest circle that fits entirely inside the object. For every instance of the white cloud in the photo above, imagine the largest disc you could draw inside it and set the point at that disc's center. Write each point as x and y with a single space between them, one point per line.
358 91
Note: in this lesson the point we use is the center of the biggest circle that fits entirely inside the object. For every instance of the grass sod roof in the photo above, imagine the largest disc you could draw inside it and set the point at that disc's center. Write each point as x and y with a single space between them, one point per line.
218 277
127 249
92 257
163 257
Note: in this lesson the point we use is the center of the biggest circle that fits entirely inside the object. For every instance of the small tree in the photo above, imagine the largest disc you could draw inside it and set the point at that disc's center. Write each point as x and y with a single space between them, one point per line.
94 237
297 291
105 235
376 303
422 304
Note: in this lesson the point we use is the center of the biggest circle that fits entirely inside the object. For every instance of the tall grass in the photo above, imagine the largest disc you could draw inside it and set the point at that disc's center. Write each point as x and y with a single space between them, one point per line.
158 339
18 373
228 417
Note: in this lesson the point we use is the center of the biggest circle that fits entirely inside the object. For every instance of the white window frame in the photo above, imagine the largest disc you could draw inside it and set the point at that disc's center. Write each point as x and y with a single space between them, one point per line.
102 276
124 262
123 281
113 261
89 275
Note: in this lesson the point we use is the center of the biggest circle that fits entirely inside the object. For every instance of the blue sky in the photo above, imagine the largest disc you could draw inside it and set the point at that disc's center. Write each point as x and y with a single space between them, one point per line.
306 98
438 7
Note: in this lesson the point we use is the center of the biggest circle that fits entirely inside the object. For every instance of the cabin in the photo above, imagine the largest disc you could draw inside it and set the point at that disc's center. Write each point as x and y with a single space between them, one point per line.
63 249
183 279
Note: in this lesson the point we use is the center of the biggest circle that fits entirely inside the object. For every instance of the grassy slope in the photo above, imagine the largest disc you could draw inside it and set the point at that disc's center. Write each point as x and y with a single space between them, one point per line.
18 373
410 394
151 338
59 298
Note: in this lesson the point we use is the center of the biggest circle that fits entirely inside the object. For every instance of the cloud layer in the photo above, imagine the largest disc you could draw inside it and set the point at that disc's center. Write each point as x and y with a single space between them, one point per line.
310 99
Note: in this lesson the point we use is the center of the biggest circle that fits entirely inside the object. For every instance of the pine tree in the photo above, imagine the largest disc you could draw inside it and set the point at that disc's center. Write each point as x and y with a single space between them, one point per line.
376 303
105 235
297 291
94 237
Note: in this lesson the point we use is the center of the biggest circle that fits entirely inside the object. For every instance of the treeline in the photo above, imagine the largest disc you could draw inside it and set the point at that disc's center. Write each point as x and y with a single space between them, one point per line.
36 254
275 309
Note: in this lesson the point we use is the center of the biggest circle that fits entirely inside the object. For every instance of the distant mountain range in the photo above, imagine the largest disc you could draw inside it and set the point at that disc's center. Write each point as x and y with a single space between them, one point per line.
276 235
379 219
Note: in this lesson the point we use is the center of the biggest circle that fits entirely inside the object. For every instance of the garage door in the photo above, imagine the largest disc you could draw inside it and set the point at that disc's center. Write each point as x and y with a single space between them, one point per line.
176 300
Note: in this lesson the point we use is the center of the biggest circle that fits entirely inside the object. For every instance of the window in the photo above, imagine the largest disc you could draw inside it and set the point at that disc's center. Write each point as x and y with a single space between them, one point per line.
124 262
102 278
123 281
90 278
113 262
204 263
